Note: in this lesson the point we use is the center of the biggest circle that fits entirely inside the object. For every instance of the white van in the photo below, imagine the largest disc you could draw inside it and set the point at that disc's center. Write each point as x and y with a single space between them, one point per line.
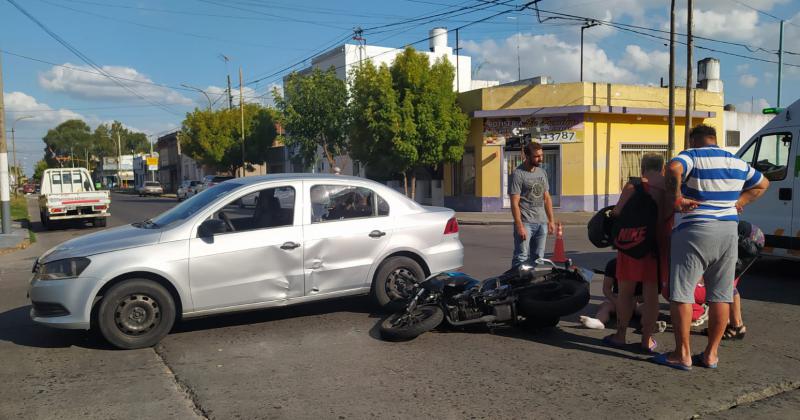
775 152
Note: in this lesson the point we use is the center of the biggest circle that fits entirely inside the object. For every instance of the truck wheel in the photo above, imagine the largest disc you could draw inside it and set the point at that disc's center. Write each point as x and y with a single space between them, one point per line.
394 282
43 218
99 222
136 313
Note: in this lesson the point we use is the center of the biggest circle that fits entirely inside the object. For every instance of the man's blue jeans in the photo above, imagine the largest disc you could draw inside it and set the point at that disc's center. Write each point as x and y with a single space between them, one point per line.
530 249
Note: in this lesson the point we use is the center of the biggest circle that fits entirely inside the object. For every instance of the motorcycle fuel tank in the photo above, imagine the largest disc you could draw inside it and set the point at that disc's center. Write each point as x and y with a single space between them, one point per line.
451 282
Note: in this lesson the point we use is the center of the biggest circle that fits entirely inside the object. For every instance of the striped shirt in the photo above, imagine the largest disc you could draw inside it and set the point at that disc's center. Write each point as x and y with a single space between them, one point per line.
715 178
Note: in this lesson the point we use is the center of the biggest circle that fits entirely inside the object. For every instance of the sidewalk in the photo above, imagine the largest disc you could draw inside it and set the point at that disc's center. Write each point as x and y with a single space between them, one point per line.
16 239
568 218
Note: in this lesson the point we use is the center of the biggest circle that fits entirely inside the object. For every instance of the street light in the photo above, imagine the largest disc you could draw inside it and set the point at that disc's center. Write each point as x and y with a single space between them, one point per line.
201 91
14 145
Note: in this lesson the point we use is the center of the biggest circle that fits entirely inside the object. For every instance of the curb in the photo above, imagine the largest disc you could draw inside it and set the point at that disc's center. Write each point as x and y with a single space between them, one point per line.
506 223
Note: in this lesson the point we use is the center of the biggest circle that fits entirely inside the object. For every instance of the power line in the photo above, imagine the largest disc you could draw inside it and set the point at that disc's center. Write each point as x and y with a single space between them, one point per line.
85 58
763 12
162 29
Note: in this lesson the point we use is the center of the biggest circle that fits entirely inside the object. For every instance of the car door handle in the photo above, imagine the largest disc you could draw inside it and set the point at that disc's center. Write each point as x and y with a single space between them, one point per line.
376 234
785 194
290 245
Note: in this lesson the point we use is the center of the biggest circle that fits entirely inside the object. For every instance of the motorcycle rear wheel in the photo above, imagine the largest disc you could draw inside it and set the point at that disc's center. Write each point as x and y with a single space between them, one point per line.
565 297
404 326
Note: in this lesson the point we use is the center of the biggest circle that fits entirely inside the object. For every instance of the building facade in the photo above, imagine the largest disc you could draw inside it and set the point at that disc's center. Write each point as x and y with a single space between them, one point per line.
594 135
739 127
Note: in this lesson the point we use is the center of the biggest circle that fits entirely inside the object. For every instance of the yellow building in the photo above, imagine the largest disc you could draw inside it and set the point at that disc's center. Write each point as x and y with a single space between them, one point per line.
593 134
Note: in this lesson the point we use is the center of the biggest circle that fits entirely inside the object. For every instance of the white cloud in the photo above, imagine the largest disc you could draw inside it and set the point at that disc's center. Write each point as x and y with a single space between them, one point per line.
748 80
85 83
543 55
20 104
637 59
755 106
741 68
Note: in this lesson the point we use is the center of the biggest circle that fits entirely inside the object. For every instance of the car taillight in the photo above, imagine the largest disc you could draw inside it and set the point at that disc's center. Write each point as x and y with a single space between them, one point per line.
100 207
451 226
56 210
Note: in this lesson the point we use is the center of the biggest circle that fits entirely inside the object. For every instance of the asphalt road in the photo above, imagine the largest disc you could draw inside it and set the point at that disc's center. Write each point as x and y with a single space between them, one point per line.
325 360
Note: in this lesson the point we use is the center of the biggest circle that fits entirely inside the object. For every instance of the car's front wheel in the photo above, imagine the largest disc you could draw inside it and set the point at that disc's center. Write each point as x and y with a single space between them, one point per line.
136 313
395 280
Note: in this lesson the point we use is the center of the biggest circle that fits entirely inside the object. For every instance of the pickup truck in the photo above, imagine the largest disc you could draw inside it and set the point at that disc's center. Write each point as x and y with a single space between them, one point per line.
68 193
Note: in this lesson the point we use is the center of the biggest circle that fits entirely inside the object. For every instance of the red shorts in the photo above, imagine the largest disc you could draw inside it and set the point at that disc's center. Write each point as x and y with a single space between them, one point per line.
636 269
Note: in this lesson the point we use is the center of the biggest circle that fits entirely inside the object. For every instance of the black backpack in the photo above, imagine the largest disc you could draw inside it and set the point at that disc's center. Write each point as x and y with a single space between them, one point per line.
634 231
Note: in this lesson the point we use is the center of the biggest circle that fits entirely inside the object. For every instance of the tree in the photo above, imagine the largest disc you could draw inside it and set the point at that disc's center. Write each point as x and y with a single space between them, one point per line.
314 112
417 125
214 137
112 139
68 138
39 169
374 118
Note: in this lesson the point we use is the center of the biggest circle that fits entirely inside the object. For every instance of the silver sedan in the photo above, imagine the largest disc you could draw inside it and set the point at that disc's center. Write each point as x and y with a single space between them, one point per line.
308 237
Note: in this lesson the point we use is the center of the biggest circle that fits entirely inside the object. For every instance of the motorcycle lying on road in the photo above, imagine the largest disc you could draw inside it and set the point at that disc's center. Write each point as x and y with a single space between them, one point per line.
525 297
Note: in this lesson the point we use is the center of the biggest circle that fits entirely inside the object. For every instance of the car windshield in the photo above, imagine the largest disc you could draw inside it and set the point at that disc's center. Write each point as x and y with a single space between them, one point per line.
152 184
188 208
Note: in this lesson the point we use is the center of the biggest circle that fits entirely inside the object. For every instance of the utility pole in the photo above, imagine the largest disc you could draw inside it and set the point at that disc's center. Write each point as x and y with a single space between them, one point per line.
5 197
241 109
584 27
458 79
14 146
689 61
230 96
119 161
671 134
780 64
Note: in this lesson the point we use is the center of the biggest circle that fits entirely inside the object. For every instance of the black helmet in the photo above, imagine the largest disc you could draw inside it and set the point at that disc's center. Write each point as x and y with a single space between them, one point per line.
751 242
600 228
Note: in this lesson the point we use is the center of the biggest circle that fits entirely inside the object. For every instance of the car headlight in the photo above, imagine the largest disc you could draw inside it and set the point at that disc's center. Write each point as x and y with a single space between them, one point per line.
61 269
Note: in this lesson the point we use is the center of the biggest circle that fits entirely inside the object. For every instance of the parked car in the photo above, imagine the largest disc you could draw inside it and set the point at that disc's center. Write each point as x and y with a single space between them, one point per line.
150 188
210 181
69 194
311 237
186 189
28 189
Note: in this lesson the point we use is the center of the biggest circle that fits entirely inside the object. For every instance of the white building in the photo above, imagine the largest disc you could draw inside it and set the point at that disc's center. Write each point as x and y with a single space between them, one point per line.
739 127
345 58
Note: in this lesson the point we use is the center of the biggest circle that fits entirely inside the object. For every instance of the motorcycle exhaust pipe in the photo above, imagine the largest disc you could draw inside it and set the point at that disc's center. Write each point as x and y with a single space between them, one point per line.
483 319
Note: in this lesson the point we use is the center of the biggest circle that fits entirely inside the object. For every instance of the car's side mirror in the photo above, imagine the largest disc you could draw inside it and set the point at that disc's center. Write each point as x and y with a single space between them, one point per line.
210 228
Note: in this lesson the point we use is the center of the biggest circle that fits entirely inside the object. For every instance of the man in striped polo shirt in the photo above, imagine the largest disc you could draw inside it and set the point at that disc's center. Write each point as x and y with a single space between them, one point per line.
710 186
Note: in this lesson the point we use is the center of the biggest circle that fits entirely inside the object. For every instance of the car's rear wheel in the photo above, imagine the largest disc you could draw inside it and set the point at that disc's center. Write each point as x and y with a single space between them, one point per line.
99 222
44 219
395 280
136 313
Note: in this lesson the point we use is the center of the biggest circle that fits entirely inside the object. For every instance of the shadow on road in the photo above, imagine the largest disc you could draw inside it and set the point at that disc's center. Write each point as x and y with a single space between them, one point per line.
16 327
357 305
771 280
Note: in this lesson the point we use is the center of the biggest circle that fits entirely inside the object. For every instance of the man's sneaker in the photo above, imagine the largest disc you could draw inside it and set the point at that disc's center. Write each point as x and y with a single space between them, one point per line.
702 318
661 326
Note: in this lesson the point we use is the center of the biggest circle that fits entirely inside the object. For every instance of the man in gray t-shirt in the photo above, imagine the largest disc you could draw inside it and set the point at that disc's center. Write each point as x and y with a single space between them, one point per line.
531 207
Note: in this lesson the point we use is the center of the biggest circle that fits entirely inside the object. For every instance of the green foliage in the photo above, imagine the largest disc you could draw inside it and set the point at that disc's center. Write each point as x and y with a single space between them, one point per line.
214 137
71 136
39 169
315 114
406 117
374 118
75 138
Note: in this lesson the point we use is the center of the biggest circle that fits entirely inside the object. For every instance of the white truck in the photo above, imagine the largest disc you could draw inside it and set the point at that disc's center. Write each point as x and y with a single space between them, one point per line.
775 152
68 193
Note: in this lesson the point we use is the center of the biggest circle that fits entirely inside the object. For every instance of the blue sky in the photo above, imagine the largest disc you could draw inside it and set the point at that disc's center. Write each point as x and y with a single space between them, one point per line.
156 46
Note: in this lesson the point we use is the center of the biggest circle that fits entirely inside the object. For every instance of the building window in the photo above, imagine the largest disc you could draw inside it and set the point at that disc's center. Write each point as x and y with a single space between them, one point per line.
732 138
630 159
464 175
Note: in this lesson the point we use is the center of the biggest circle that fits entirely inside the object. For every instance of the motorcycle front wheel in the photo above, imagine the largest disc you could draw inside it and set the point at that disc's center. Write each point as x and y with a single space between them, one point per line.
406 326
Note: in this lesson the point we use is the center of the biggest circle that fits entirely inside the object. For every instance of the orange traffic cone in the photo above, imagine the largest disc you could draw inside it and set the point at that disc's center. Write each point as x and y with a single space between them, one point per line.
559 255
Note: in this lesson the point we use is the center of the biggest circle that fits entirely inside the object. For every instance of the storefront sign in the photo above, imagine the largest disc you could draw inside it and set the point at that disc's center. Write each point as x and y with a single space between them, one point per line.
152 163
546 130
